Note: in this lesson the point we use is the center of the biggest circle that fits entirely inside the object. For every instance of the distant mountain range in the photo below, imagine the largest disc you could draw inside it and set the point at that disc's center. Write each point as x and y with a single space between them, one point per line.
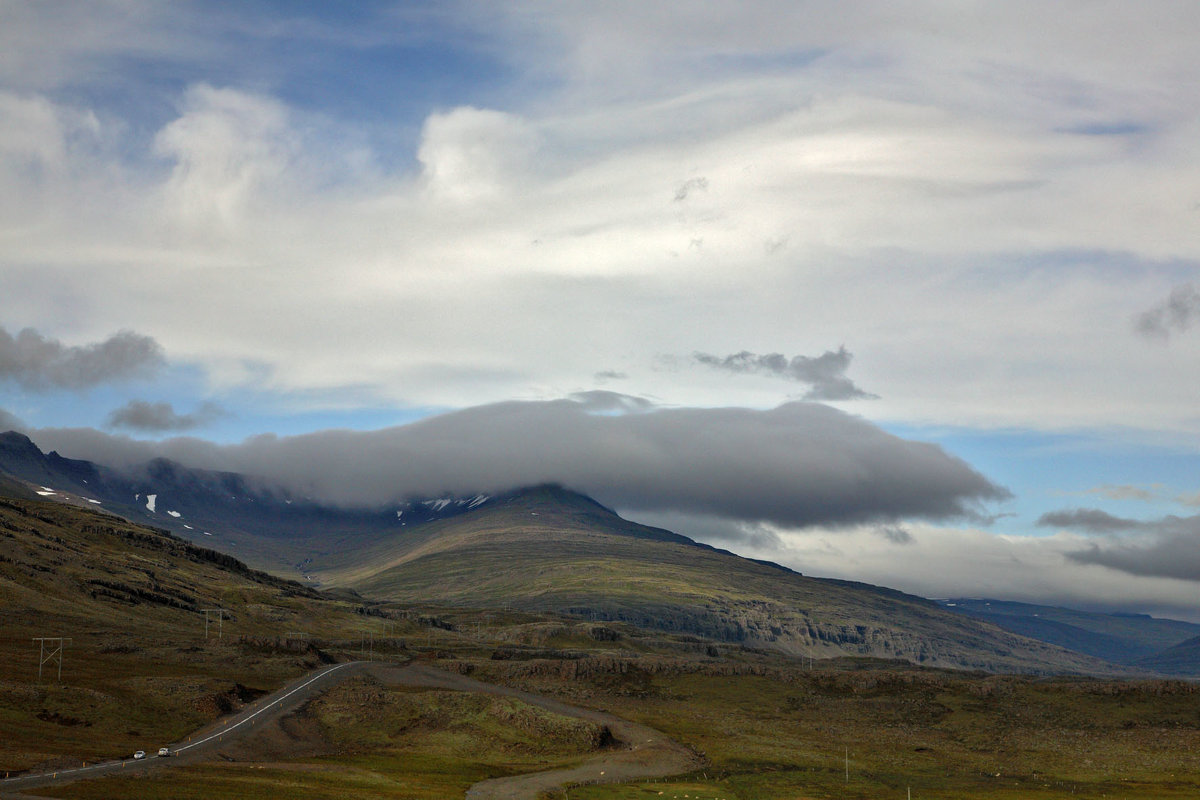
550 549
1138 640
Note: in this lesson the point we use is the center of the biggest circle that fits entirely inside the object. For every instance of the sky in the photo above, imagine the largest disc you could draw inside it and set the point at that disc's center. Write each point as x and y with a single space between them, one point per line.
899 293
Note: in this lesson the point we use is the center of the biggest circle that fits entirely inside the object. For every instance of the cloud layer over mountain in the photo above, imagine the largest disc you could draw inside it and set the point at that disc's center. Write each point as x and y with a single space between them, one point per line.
796 465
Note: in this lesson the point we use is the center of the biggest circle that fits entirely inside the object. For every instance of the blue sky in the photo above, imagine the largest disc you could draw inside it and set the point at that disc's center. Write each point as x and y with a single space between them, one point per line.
972 227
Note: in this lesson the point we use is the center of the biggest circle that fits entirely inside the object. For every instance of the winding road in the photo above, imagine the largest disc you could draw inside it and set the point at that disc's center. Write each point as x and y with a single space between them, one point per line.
645 752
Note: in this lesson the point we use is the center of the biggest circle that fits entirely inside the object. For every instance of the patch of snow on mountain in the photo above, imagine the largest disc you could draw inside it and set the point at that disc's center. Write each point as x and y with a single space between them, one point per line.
175 514
189 527
151 499
399 514
478 500
90 500
47 489
47 494
206 533
438 505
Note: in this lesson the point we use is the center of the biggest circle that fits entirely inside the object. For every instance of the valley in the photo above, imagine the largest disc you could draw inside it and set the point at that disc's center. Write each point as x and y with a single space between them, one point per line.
781 686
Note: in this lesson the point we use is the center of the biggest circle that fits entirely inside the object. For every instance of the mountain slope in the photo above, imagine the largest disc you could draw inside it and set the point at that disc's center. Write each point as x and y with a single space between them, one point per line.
546 549
1119 638
266 526
1181 659
549 549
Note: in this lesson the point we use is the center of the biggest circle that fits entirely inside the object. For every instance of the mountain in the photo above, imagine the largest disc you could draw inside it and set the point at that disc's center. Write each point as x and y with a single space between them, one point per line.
549 549
544 549
266 526
1119 638
1180 659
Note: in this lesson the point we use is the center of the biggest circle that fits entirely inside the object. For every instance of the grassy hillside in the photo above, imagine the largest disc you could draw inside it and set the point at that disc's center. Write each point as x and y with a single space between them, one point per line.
554 551
864 730
138 670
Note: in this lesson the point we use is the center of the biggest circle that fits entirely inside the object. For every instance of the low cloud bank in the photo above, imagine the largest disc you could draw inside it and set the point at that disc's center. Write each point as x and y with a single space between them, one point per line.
796 465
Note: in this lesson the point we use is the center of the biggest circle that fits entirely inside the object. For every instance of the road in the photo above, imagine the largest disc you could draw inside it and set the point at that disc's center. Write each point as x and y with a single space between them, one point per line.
204 742
643 752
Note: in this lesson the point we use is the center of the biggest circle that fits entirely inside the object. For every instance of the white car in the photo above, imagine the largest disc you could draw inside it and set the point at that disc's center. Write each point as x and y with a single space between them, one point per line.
163 752
139 754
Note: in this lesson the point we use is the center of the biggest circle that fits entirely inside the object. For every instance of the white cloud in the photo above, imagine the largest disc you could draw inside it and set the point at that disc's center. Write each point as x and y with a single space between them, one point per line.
935 186
966 562
473 154
226 145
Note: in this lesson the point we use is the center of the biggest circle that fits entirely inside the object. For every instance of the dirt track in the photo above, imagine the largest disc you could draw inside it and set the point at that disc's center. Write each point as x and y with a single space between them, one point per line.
645 753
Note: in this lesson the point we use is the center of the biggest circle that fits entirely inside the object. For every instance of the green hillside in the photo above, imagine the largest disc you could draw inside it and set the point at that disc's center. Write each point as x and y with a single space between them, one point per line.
139 668
552 550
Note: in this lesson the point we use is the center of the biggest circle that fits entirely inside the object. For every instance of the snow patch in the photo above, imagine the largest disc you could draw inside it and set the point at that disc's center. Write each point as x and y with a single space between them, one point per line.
151 499
175 514
47 494
206 533
189 527
90 500
399 514
438 505
478 500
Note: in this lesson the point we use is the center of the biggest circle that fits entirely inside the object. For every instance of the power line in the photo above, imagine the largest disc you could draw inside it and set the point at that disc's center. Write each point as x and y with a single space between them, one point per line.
220 612
55 654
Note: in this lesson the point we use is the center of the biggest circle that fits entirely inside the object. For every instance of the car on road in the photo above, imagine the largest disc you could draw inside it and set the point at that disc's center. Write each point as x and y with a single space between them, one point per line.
139 754
163 752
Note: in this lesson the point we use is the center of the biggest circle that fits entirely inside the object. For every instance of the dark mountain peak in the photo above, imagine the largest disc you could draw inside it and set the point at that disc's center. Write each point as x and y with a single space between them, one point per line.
14 442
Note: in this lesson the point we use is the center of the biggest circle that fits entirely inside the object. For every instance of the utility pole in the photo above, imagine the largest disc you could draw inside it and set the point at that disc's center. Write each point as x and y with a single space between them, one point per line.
56 644
220 612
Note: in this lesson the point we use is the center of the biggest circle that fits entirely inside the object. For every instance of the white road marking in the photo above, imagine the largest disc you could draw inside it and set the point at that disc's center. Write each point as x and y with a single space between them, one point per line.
222 732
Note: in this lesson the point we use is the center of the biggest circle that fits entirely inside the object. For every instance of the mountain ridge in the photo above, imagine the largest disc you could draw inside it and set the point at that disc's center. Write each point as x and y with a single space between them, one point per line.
543 549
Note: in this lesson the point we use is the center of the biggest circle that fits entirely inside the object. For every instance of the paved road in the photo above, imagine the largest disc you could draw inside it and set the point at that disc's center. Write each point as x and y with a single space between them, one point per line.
204 742
644 752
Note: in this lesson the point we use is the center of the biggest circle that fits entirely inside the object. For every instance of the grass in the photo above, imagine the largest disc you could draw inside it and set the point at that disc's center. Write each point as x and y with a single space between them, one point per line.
138 673
571 556
382 743
944 735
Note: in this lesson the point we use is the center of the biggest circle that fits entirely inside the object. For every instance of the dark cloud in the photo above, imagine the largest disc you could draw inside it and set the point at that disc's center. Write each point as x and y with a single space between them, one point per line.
140 415
689 186
34 362
715 531
896 535
1166 548
1091 520
1176 314
826 372
796 465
